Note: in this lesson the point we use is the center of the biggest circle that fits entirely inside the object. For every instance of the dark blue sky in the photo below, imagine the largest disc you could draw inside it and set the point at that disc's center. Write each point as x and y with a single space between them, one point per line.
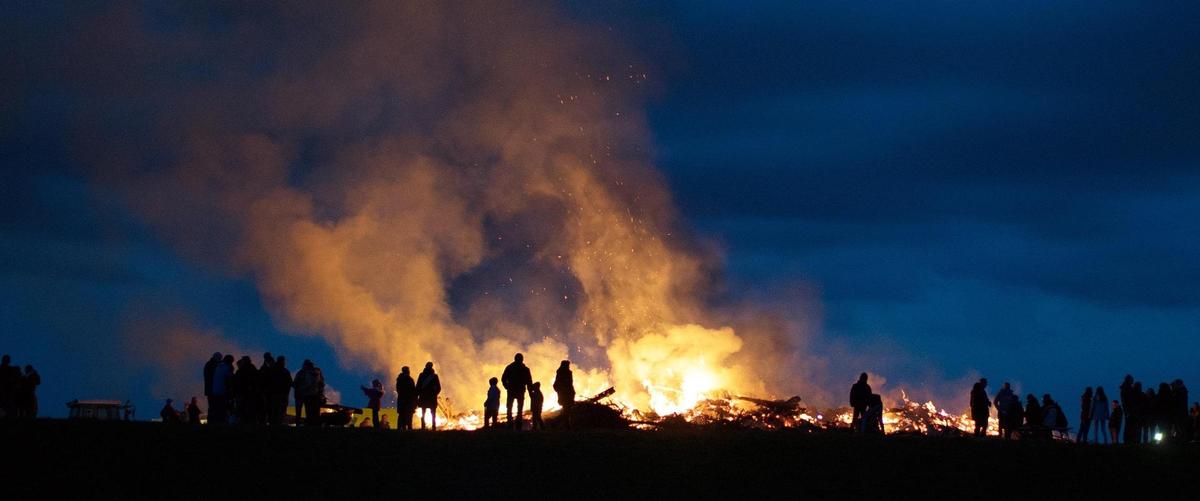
1008 188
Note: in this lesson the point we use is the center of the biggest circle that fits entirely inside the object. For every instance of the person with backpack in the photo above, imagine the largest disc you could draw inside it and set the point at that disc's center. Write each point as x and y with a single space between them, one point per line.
429 386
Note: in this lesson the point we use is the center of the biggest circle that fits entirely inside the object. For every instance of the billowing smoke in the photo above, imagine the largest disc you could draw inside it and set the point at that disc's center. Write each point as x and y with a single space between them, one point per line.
446 181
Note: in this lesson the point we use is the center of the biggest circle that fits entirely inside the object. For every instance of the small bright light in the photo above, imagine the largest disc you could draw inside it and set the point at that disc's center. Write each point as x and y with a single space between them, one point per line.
1158 437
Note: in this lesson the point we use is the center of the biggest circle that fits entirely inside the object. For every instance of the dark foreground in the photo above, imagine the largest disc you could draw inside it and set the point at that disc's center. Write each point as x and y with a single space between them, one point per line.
143 460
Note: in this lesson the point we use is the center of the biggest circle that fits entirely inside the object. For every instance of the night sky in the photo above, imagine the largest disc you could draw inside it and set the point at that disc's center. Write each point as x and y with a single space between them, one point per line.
1006 189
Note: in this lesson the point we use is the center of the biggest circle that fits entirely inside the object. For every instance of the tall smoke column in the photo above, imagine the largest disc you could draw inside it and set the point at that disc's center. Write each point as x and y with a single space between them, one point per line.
412 181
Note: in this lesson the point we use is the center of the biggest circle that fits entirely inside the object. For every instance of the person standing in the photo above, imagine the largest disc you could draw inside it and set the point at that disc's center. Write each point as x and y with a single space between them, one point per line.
1179 413
310 391
406 399
491 405
564 387
1085 416
1114 422
1033 412
429 386
280 388
1127 403
516 379
1100 416
27 401
218 407
374 396
193 412
210 369
1005 403
981 407
535 405
860 396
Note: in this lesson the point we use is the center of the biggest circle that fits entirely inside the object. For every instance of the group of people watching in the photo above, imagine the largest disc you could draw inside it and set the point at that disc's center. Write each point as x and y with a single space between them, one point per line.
238 392
867 417
517 381
1161 416
18 390
1150 415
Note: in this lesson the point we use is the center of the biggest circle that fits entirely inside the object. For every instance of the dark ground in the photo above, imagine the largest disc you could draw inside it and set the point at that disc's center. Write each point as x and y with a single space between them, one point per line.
143 460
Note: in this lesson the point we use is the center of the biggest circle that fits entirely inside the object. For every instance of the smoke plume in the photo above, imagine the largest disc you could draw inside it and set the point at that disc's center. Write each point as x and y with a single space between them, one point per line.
446 181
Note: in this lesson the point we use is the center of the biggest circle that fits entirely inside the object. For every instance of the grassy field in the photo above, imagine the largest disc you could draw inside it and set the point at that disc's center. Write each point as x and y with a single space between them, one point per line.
142 460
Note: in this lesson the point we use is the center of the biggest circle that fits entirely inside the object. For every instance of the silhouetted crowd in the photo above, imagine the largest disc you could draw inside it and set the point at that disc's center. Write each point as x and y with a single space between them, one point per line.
18 390
241 393
1151 415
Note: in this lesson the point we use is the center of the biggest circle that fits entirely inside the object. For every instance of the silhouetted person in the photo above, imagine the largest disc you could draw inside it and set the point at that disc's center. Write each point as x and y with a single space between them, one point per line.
535 405
265 386
279 389
1195 414
406 399
1053 417
981 407
193 412
10 378
1085 416
564 387
1180 420
1164 411
374 396
860 396
429 386
222 382
1127 405
384 424
27 402
247 392
1008 410
169 415
1100 415
1137 414
1033 413
516 380
491 405
872 417
310 389
210 368
1114 422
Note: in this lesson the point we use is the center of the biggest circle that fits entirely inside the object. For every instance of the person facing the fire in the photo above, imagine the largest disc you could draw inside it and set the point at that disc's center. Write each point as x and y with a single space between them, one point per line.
516 379
860 395
981 406
491 405
428 388
564 386
535 405
406 399
872 418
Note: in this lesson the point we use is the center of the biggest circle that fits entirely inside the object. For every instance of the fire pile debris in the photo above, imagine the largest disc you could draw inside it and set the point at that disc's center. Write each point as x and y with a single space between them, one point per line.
743 412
